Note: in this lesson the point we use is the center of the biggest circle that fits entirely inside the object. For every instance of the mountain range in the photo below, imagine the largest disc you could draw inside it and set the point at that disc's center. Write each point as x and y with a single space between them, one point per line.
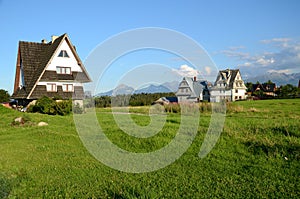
124 89
277 78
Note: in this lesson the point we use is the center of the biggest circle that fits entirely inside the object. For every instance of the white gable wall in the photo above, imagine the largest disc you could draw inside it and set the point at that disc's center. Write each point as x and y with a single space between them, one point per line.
238 94
21 78
64 61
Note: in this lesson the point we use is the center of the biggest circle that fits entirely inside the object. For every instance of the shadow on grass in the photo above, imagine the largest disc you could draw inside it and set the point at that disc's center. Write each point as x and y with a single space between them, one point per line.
287 130
173 121
261 148
5 187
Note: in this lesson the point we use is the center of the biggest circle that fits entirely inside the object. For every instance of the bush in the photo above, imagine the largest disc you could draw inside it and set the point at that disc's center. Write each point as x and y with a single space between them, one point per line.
43 105
49 106
63 107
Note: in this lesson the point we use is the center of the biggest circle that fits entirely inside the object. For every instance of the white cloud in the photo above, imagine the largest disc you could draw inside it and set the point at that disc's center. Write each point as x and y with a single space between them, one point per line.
234 53
279 71
263 61
186 71
274 40
236 47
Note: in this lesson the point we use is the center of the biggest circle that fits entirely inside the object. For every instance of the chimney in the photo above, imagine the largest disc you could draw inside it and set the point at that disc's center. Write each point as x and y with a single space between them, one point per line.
44 41
195 78
53 38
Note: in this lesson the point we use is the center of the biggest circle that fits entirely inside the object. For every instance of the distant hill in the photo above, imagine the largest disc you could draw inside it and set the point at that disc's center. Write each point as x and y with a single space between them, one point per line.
124 89
120 90
153 89
277 78
173 86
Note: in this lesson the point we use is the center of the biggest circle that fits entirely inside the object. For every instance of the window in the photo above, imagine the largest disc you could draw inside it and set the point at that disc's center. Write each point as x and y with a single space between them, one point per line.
236 90
63 70
63 53
67 87
51 87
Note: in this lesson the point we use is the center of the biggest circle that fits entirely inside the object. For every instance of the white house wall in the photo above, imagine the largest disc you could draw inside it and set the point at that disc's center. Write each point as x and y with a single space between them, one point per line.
64 61
59 83
219 95
241 94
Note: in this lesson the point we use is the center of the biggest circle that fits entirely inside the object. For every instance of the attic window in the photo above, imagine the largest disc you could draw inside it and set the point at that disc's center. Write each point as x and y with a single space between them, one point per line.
63 53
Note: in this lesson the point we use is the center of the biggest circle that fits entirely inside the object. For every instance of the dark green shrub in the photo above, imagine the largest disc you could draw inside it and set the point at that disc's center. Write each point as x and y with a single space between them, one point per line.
49 106
63 107
44 105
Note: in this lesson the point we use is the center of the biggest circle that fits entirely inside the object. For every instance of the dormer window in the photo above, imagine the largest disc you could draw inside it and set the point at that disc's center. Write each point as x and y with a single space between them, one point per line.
63 70
63 53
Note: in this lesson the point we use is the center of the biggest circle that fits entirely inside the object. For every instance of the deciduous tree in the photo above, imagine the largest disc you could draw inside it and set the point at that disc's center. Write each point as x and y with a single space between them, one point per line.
4 96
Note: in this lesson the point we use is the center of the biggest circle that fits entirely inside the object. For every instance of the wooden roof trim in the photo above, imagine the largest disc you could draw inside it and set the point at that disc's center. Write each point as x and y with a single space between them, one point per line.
18 68
77 57
49 61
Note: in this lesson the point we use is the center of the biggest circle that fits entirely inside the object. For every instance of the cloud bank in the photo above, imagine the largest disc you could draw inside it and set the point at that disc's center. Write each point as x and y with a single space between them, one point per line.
284 56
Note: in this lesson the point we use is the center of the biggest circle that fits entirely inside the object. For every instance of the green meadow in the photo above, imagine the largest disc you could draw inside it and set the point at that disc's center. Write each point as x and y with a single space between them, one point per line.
256 156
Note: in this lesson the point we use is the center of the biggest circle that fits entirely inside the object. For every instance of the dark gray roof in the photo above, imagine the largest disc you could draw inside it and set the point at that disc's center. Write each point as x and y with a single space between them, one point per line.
229 73
196 87
265 87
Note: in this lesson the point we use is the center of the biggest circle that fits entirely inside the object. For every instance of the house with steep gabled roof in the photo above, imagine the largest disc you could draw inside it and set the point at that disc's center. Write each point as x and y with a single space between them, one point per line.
51 69
192 90
229 86
265 89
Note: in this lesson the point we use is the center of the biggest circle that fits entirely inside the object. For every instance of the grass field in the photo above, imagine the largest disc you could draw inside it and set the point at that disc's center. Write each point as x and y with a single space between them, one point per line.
257 156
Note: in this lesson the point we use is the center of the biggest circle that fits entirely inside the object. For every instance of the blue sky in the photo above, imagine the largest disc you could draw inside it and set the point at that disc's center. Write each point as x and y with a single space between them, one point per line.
256 36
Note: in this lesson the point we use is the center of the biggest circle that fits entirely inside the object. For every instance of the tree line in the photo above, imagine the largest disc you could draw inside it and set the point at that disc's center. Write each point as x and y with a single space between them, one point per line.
141 99
282 92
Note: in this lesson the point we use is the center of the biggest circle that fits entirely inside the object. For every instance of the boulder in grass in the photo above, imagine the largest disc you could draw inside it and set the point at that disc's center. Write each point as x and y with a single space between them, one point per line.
42 124
19 120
